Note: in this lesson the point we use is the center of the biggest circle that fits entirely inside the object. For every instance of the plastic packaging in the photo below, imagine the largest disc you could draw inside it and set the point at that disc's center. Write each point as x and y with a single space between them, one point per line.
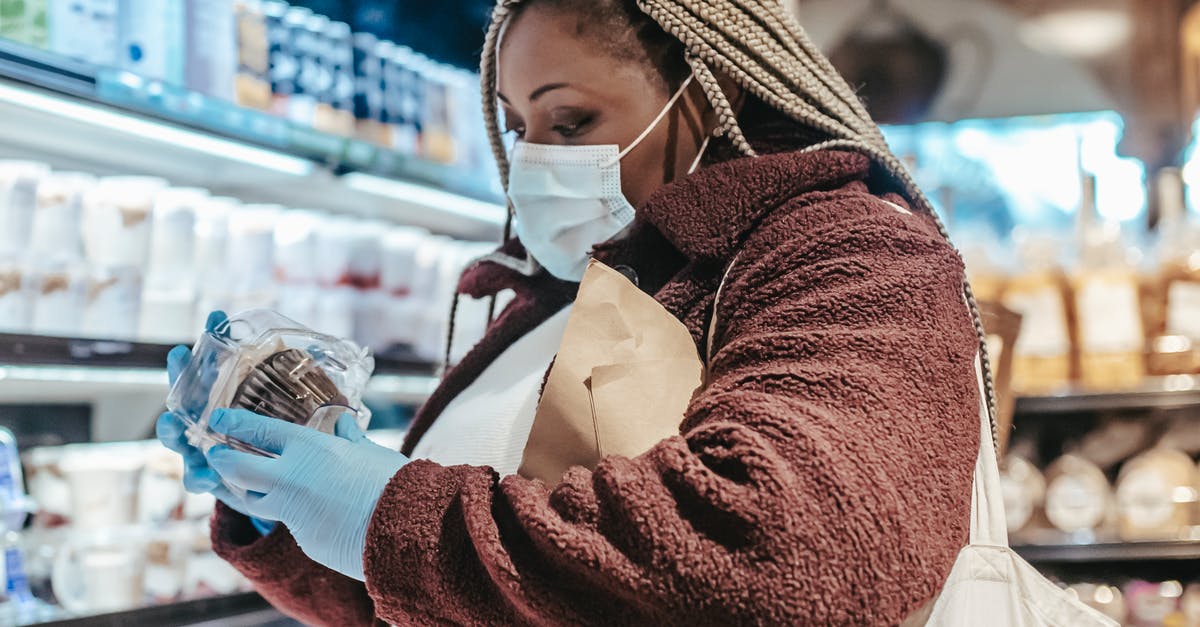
262 361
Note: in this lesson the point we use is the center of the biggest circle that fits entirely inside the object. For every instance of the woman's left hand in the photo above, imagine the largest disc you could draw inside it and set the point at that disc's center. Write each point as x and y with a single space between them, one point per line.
322 487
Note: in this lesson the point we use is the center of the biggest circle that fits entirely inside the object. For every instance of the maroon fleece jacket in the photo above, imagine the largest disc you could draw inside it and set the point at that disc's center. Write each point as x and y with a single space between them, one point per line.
822 477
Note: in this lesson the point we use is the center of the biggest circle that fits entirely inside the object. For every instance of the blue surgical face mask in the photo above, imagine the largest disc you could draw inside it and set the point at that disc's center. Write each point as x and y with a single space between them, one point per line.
567 199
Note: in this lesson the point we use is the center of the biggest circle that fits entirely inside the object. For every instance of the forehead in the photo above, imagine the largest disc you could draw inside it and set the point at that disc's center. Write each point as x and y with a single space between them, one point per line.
541 46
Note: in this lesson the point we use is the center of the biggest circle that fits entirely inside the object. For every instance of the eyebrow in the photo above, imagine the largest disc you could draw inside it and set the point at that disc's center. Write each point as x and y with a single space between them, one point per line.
539 92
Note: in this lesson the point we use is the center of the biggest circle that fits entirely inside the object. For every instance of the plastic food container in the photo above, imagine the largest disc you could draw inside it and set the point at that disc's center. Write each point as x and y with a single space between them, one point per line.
264 362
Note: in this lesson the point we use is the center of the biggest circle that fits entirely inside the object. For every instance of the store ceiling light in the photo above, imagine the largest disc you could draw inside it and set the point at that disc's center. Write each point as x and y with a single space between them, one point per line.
425 196
104 117
1078 31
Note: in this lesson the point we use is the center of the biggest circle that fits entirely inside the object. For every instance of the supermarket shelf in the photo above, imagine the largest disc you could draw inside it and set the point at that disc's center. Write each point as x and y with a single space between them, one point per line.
1156 393
1115 552
37 369
239 609
75 116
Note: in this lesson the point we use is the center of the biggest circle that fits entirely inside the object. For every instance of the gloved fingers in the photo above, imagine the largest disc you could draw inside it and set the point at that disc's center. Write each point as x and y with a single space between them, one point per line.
268 434
177 360
250 472
264 506
236 502
347 428
215 320
201 480
172 433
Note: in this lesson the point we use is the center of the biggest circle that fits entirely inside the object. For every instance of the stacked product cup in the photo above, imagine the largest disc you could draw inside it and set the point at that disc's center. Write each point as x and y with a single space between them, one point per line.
116 237
251 257
169 292
19 182
212 239
296 265
54 257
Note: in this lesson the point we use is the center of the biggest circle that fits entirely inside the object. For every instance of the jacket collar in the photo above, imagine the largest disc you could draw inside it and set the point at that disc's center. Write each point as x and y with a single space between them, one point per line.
702 217
707 215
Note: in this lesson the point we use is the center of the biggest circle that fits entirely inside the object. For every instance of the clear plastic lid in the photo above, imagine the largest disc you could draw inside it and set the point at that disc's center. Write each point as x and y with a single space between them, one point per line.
269 364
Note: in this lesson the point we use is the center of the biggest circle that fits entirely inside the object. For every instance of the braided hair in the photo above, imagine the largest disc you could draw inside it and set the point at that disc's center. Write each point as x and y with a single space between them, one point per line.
761 47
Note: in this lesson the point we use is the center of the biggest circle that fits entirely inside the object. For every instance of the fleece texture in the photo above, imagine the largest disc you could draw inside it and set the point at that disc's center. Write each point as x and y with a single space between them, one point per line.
823 476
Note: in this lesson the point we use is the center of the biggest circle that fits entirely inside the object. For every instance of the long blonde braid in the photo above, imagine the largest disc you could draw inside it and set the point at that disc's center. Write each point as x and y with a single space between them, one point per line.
759 45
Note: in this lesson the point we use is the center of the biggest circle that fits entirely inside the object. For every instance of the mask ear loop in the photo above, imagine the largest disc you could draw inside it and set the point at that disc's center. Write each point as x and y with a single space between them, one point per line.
654 124
700 155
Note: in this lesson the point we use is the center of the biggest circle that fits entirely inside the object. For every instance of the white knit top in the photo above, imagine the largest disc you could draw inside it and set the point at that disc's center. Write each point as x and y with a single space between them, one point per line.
489 422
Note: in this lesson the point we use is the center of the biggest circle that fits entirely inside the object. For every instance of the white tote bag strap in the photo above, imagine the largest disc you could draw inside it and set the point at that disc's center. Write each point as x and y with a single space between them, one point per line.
988 525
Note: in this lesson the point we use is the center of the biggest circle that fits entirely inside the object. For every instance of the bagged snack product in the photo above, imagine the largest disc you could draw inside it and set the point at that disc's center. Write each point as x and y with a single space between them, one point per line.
264 362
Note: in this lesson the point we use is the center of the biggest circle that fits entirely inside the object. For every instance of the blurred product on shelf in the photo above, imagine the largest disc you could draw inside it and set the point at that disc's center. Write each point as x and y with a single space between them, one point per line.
151 39
128 257
1110 334
1107 599
85 30
25 21
252 84
1139 603
211 66
277 58
1024 490
1098 314
1039 293
113 529
1078 496
1157 496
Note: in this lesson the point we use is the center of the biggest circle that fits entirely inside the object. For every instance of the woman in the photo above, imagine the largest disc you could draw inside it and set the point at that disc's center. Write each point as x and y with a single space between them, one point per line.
823 474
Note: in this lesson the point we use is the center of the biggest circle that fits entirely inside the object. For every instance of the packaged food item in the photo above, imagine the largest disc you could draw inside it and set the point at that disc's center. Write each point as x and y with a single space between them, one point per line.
15 305
1111 336
116 220
112 303
366 253
1078 497
1152 604
58 297
1038 292
251 251
437 137
212 48
103 481
283 66
55 236
1106 599
152 38
335 311
252 85
48 487
1189 605
85 30
404 98
264 362
1180 261
1157 494
160 490
1173 354
1024 490
306 30
100 572
19 182
169 291
368 89
25 21
212 239
335 103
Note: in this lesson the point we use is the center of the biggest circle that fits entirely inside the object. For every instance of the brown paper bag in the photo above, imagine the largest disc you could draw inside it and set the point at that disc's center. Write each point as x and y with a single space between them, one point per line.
624 375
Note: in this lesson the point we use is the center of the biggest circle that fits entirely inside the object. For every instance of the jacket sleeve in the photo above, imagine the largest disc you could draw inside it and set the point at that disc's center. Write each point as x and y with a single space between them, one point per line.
286 577
822 477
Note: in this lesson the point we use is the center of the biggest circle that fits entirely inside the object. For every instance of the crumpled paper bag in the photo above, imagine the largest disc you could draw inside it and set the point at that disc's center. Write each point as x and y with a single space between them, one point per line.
624 375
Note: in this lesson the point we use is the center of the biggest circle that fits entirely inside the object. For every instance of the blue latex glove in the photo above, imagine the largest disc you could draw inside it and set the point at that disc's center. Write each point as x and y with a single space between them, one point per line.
198 477
324 488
